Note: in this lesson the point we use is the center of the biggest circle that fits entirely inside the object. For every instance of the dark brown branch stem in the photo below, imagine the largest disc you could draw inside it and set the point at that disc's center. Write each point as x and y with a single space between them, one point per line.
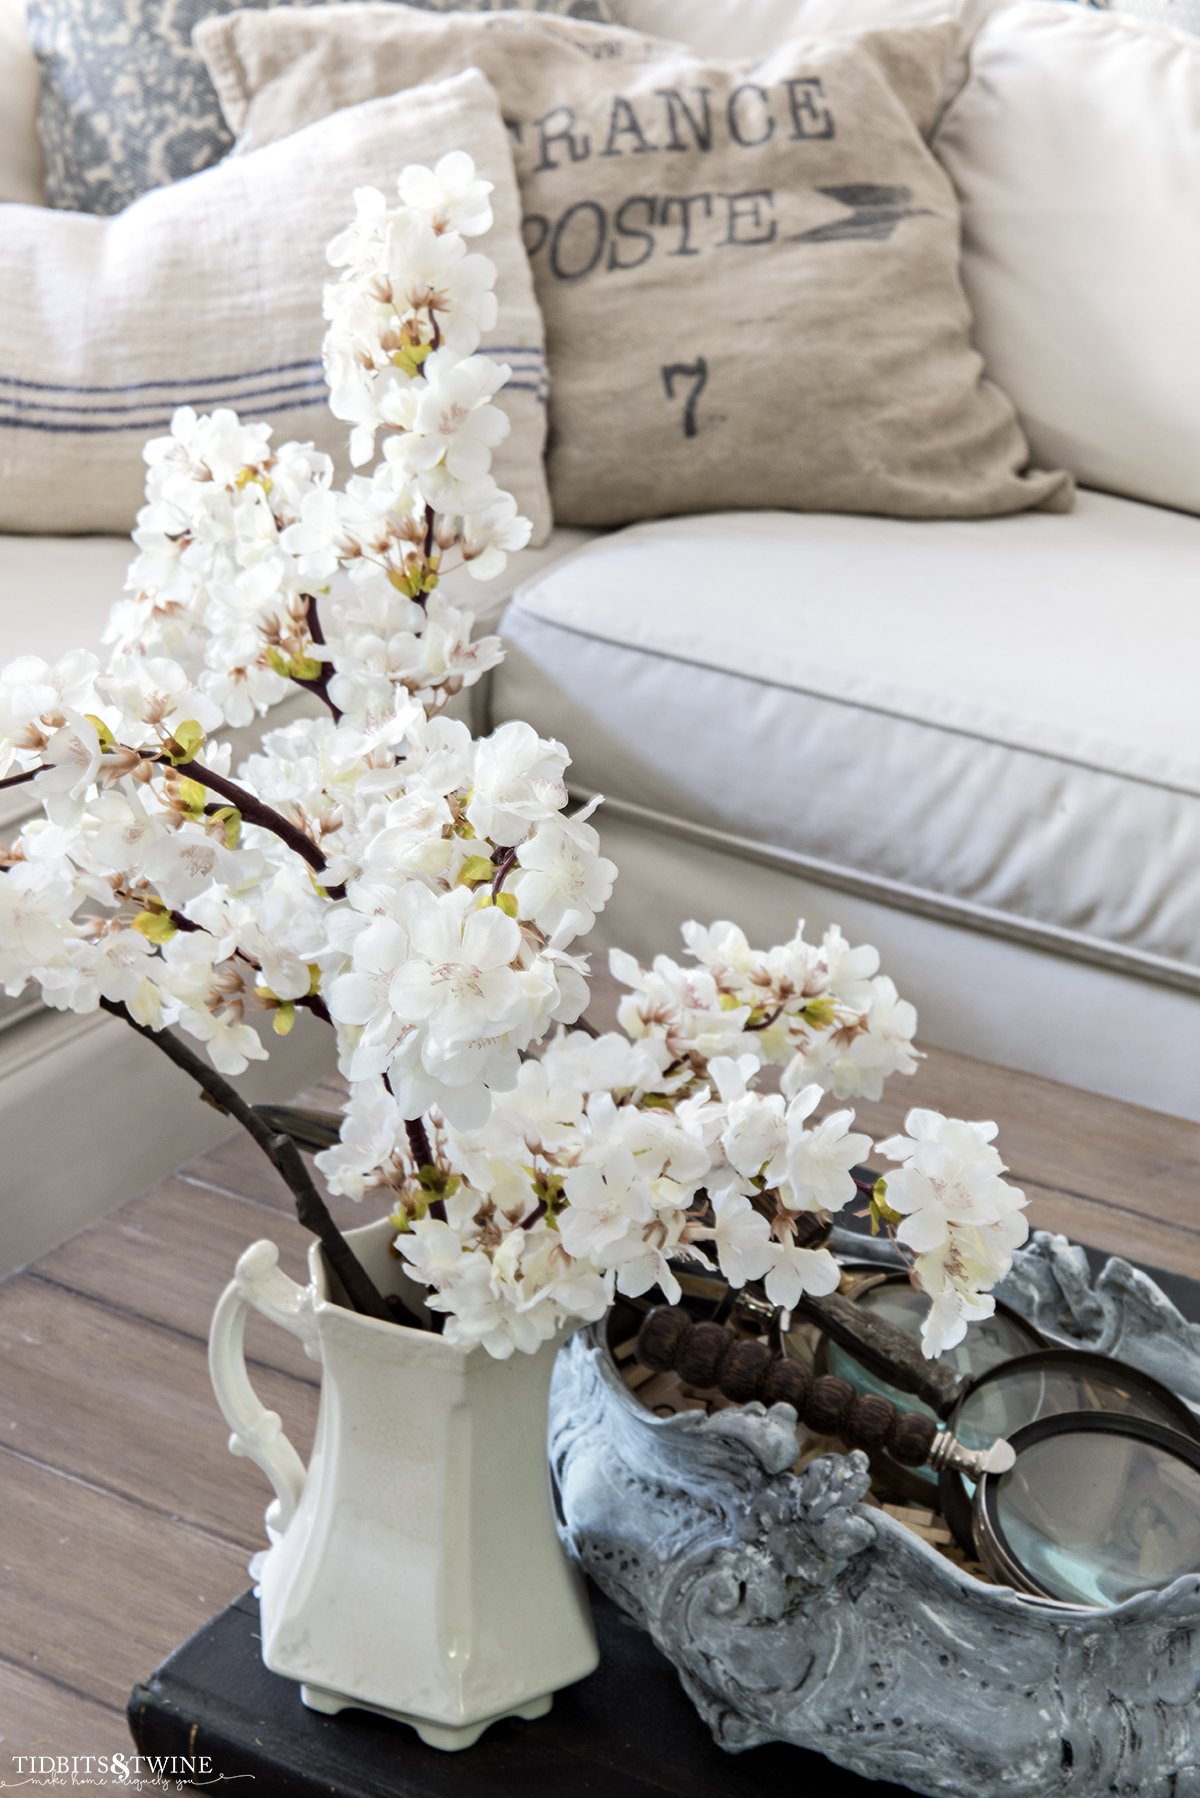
18 780
422 599
254 811
283 1154
765 1023
313 1002
418 1142
508 860
319 686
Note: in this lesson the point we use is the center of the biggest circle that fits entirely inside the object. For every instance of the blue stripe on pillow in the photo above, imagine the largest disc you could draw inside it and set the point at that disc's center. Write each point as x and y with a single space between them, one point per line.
153 414
528 352
310 388
254 374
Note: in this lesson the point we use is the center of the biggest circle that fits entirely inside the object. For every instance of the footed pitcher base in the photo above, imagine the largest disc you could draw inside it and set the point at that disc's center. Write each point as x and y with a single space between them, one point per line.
435 1735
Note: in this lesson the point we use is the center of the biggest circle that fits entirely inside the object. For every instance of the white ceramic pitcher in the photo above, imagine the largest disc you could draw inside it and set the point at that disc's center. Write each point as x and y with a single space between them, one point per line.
415 1567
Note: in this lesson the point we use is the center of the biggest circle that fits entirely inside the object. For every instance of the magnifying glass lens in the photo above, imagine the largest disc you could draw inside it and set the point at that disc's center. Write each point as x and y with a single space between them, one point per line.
1048 1386
1092 1517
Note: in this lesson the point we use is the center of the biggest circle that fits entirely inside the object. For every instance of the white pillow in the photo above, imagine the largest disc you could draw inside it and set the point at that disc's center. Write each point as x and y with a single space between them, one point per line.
750 28
209 293
1075 149
20 148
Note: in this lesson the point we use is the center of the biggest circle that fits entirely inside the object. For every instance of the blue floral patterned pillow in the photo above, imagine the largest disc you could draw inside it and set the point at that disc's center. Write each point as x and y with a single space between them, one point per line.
1183 14
126 103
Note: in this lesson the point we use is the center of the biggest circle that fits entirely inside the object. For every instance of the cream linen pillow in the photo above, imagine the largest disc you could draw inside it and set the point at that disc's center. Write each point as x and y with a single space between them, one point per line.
748 273
1075 148
20 150
209 293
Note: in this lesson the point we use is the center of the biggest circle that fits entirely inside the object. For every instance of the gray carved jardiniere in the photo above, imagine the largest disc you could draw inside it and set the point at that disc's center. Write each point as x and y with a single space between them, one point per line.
795 1613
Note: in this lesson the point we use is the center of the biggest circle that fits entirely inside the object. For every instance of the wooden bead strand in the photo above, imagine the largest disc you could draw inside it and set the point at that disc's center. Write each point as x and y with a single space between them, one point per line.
713 1359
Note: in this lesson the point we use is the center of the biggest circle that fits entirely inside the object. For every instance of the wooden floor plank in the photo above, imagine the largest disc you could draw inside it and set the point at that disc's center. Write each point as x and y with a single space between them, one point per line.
168 1256
1117 1176
96 1590
37 1716
128 1406
236 1167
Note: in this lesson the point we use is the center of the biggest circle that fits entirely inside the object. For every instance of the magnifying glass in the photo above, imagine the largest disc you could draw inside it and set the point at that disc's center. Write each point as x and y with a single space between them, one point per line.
1095 1508
1049 1386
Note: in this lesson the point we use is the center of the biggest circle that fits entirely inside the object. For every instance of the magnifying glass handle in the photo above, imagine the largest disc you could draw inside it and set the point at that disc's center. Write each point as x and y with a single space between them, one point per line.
712 1358
890 1353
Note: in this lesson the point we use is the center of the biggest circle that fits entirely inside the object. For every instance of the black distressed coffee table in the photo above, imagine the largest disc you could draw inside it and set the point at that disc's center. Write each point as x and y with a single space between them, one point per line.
628 1731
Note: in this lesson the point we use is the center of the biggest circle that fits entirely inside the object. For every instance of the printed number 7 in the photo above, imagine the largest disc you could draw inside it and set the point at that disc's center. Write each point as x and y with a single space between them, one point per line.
697 373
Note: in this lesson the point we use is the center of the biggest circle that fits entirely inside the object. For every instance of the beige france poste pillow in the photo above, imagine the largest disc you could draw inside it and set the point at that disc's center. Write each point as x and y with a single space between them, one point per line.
209 294
748 273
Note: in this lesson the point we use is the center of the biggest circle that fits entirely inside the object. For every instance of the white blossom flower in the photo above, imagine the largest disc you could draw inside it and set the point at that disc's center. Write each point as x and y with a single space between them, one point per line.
855 1065
154 691
37 900
518 781
71 762
563 875
458 977
448 417
231 1043
606 1207
114 966
795 1271
36 698
961 1219
814 1168
492 530
371 1129
451 196
741 1237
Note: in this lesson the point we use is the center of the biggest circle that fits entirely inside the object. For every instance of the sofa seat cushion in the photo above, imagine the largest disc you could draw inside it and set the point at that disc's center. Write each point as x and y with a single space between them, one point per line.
990 721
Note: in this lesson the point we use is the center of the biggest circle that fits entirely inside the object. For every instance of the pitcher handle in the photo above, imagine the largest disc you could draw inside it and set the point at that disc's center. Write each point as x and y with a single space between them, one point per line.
261 1284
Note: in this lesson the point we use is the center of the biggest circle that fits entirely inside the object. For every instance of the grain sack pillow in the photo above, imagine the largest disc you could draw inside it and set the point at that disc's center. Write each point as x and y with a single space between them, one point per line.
1075 149
209 294
748 273
126 104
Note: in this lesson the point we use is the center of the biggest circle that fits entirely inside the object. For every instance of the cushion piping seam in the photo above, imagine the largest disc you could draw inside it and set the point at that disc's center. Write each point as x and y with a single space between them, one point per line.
859 705
988 920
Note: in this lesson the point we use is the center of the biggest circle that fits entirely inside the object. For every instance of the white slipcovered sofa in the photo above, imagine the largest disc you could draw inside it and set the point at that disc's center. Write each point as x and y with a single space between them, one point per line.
973 744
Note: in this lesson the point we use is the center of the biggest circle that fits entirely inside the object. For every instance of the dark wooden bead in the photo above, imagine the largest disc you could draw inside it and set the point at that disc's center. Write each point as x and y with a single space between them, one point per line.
703 1356
828 1403
788 1382
911 1437
868 1420
662 1337
744 1371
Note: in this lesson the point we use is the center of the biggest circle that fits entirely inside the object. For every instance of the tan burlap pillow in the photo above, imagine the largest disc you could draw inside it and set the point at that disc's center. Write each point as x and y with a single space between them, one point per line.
208 294
748 273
